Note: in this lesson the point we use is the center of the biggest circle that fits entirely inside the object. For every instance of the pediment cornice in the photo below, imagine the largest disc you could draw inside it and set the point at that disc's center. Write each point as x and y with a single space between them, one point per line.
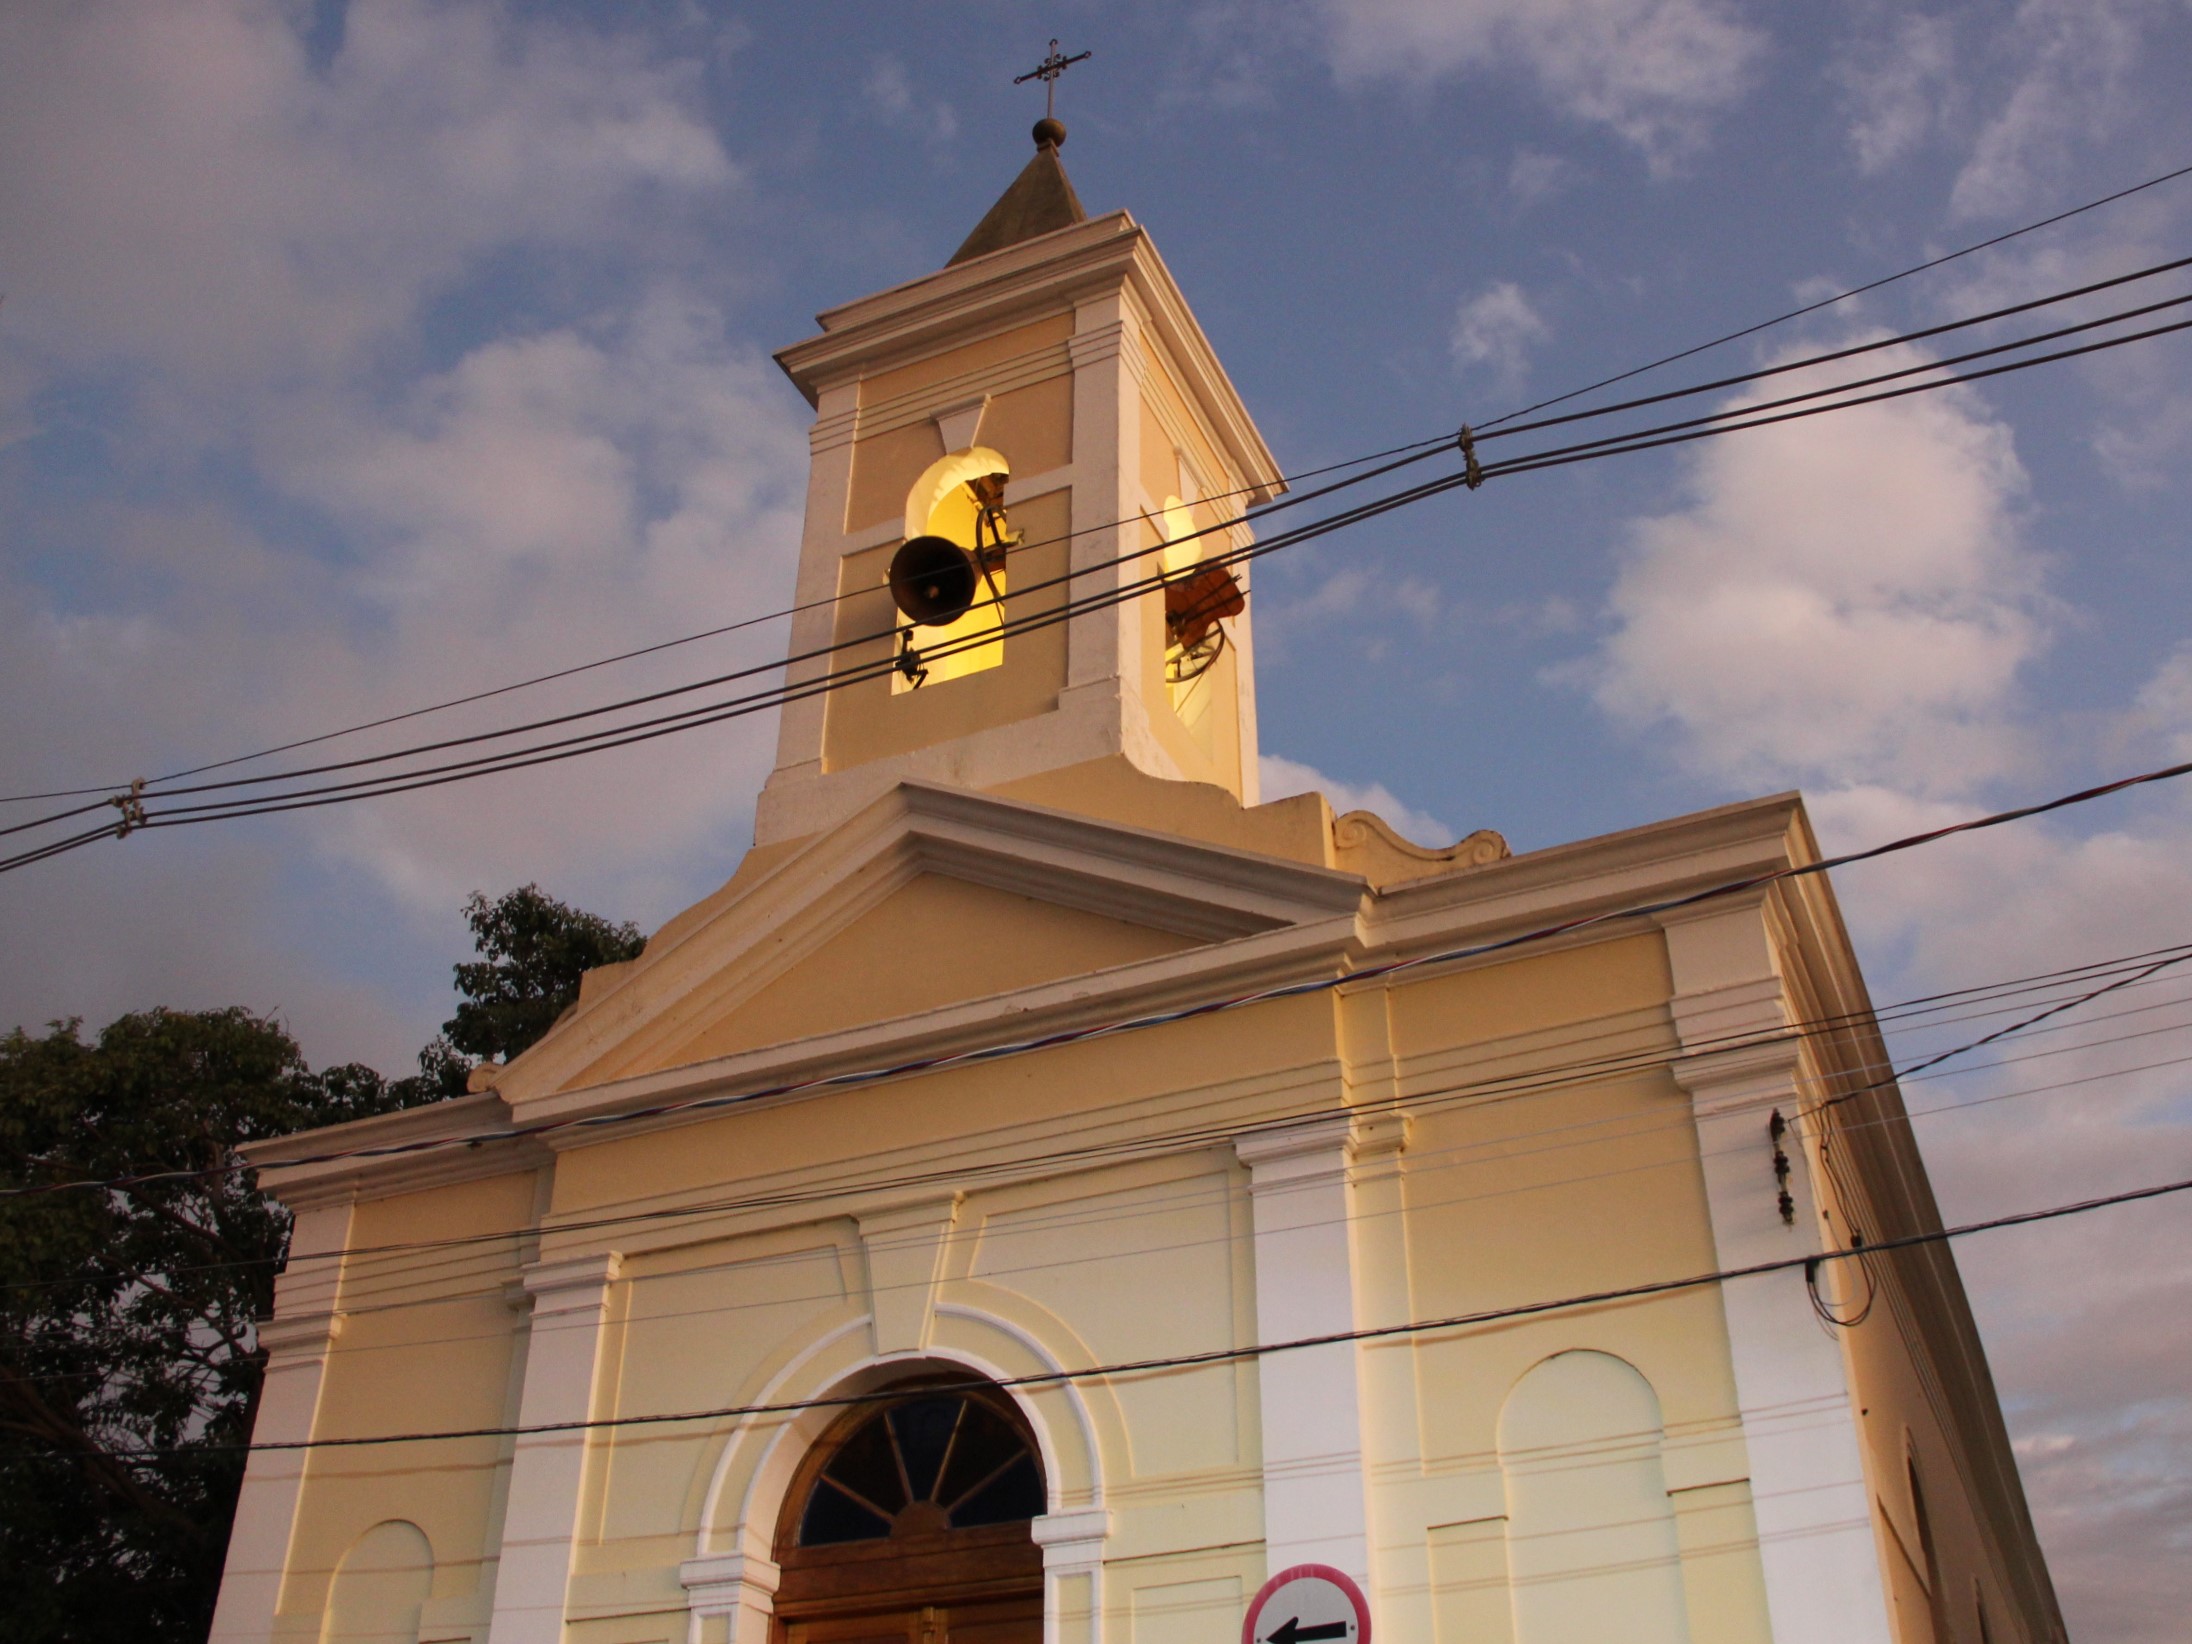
1341 927
1209 893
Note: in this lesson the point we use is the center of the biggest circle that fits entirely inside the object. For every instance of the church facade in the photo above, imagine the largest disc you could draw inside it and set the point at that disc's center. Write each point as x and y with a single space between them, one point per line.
902 1248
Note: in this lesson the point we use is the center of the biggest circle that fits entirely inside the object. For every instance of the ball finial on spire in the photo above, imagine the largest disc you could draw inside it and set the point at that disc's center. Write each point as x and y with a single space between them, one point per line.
1050 132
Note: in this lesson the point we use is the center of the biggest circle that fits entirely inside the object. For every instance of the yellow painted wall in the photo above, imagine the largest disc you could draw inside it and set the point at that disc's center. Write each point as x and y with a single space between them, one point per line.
1105 1256
1030 425
428 1342
934 941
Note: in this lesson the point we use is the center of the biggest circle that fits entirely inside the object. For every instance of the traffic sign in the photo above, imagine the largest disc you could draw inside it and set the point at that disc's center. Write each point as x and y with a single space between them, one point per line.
1308 1604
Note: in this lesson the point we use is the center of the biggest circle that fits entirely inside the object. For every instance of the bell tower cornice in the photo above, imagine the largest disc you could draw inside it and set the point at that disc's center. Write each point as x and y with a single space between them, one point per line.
1055 273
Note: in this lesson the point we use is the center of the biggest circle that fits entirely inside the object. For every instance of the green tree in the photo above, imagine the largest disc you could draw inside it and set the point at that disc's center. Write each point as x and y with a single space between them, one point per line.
129 1359
532 951
128 1314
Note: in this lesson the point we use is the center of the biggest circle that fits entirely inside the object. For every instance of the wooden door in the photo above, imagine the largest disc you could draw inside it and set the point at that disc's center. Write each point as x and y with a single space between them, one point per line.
1015 1620
909 1524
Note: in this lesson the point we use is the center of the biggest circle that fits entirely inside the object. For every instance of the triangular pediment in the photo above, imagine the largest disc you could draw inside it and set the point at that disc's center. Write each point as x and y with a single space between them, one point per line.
929 899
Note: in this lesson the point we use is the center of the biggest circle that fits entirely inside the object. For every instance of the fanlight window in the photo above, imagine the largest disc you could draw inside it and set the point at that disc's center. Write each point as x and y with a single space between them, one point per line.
934 1463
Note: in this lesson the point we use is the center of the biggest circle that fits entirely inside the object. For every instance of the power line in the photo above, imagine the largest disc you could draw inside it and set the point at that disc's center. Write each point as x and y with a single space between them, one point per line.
1726 422
1439 440
391 1281
1080 1035
365 1294
1902 1016
1901 339
361 1288
1685 431
1730 421
775 665
1843 296
1407 454
1216 1355
394 1281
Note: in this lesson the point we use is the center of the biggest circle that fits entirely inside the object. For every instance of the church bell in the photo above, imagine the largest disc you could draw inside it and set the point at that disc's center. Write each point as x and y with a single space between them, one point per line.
933 580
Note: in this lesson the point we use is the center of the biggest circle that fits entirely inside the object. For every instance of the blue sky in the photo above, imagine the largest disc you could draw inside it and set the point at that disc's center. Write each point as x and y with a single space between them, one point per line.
353 358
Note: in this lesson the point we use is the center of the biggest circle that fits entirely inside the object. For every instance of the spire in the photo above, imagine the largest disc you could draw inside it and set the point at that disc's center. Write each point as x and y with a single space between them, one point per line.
1040 200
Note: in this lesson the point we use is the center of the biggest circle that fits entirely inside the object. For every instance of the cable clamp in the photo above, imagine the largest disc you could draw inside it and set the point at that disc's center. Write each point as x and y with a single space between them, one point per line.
1472 472
909 659
132 807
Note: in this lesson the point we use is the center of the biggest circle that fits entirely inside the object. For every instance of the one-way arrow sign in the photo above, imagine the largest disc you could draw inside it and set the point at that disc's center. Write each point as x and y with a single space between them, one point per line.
1308 1604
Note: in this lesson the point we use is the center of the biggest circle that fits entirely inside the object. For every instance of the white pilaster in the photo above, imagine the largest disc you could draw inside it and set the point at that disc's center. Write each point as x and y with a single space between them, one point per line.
297 1342
1816 1545
740 1588
1314 1505
547 1470
1073 1574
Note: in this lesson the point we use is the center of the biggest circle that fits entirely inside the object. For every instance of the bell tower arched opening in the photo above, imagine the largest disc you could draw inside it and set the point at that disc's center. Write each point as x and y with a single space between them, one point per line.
909 1522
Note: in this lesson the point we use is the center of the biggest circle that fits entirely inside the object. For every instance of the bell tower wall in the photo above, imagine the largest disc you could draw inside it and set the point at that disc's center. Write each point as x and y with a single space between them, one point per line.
1074 359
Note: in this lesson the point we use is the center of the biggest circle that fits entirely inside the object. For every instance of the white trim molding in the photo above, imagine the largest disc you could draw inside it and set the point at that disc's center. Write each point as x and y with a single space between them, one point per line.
1073 1573
739 1588
298 1340
1816 1546
547 1470
1315 1502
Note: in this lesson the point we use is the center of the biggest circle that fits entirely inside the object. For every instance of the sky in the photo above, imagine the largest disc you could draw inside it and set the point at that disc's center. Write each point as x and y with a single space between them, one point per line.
356 357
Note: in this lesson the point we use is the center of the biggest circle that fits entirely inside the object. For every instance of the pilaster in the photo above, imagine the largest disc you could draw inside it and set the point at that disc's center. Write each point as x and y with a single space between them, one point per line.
1315 1504
1073 1573
1816 1545
729 1597
297 1340
563 1373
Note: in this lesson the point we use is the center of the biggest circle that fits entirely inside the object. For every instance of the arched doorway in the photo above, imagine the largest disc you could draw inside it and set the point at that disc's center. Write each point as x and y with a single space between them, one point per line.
908 1523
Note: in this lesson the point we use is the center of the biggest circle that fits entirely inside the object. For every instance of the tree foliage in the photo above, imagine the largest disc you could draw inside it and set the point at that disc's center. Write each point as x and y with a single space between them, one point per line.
532 951
129 1359
128 1315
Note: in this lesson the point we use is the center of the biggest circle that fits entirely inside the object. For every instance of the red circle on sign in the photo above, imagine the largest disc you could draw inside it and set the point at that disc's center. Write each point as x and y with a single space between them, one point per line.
1310 1572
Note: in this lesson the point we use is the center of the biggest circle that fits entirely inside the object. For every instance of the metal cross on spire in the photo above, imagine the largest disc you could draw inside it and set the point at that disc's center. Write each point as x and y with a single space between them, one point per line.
1048 71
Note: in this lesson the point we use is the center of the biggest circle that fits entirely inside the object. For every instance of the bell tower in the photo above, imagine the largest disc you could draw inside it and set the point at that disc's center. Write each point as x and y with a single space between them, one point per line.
1020 465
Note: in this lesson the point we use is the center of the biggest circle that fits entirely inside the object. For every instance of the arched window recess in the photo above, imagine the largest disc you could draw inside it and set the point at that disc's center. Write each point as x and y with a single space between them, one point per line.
949 579
1198 597
915 1508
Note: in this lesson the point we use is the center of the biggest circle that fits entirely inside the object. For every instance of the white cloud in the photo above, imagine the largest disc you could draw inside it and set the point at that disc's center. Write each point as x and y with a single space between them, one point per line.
888 94
1839 599
566 495
1496 329
1535 175
233 253
2079 59
1653 71
2163 707
1895 79
2145 450
1846 603
1282 778
207 204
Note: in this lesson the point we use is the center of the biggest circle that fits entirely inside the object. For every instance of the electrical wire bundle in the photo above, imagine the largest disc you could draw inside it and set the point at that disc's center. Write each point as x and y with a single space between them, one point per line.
177 801
415 1273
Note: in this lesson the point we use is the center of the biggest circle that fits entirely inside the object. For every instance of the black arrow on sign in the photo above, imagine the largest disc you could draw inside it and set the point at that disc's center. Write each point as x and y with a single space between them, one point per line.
1293 1632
